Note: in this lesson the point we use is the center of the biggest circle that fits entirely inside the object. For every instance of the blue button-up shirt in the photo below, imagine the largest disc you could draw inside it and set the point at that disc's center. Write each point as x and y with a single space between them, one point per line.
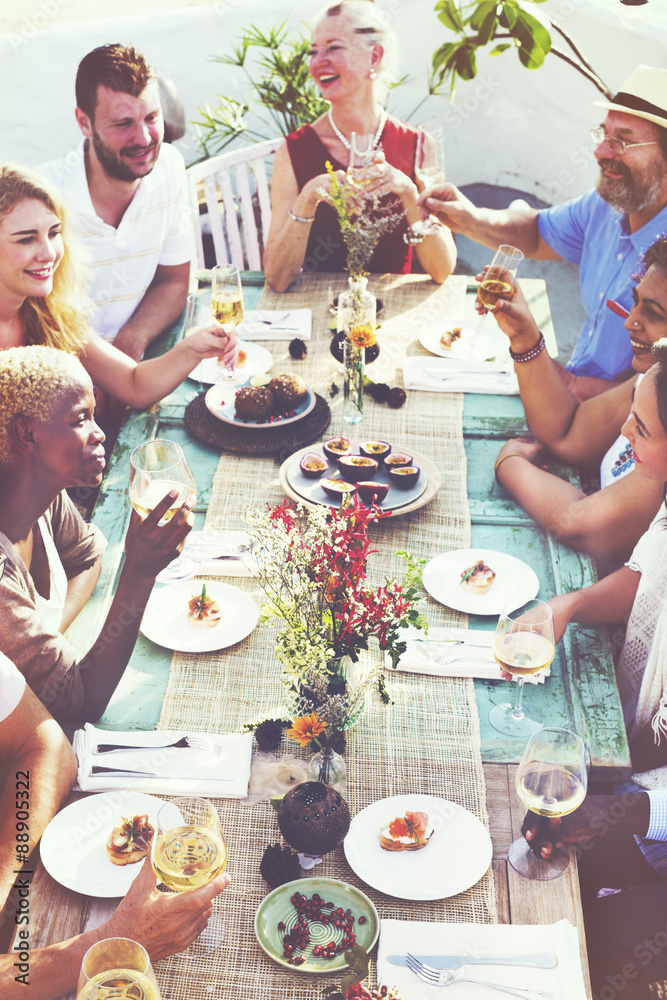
589 232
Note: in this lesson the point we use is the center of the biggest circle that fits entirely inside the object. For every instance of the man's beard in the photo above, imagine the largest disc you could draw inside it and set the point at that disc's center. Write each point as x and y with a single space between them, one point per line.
113 165
630 194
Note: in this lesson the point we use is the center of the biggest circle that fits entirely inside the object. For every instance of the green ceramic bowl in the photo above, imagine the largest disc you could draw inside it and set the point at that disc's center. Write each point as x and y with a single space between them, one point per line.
277 908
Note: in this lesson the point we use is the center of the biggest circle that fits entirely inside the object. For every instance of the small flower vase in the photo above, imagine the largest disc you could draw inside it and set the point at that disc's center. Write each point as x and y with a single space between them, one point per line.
356 319
353 384
328 767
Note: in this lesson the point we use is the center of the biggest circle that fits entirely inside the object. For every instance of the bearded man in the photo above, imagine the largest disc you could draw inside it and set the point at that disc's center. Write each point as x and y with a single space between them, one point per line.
605 232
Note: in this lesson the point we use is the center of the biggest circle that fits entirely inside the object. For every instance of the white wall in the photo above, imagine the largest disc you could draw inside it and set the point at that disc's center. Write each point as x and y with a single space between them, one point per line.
509 126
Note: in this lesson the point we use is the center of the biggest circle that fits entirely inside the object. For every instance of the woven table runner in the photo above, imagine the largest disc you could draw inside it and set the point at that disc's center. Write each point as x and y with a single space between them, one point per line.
426 739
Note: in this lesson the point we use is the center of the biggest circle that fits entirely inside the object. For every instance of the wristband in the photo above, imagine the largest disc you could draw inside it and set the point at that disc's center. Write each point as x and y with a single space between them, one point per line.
411 237
300 218
530 354
500 461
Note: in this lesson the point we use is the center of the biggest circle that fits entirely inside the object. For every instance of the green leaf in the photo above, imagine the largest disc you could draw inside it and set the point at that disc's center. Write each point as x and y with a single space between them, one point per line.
450 15
466 63
481 12
444 57
500 48
508 15
488 27
530 26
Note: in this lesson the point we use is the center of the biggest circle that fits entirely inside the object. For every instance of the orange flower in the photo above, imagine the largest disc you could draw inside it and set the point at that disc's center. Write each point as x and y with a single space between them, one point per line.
306 728
362 336
411 825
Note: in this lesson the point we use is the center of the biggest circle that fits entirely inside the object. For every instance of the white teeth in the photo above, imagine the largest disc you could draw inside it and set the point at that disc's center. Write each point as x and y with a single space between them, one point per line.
639 345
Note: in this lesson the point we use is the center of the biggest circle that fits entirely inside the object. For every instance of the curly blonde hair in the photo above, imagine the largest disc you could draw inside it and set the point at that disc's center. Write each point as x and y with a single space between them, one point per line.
34 383
61 319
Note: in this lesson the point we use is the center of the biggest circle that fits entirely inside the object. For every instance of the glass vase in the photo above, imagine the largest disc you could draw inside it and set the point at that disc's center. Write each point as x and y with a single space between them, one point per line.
353 383
328 767
356 319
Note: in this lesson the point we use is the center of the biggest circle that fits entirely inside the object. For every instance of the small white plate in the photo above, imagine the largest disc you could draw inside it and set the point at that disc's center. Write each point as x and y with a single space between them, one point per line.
166 622
491 343
257 361
73 848
456 856
514 580
220 400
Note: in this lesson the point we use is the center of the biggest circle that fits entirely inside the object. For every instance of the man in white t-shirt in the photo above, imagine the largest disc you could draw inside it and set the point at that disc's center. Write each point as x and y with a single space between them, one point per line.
126 194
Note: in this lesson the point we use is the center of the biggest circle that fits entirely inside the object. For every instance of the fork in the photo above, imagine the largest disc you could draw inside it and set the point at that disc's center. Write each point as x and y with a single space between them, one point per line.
445 977
195 741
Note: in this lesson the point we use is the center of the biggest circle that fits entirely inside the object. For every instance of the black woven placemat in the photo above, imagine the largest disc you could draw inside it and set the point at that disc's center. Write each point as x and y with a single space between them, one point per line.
267 441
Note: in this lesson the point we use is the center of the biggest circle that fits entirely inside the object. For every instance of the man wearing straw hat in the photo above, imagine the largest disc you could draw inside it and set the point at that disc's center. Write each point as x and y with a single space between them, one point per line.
605 231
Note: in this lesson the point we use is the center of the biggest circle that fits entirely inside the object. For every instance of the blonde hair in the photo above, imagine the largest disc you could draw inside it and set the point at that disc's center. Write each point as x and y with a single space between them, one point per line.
371 26
61 319
34 383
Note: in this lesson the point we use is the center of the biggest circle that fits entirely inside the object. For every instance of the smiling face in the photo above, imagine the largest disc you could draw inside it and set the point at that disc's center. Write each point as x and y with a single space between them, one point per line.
637 180
645 432
125 132
340 63
69 443
31 247
647 321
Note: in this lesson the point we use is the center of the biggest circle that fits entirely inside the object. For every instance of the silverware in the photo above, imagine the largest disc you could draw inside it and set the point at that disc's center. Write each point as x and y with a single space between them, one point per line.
540 960
125 772
444 978
454 642
464 371
193 741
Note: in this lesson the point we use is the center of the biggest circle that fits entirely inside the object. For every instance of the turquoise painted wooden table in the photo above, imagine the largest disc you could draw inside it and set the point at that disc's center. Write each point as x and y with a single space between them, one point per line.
580 694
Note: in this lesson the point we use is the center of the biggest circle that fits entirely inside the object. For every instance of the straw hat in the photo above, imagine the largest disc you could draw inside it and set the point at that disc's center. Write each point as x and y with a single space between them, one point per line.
644 94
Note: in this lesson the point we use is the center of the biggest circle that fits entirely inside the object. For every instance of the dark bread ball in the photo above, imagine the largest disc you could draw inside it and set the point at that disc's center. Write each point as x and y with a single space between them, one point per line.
288 391
255 402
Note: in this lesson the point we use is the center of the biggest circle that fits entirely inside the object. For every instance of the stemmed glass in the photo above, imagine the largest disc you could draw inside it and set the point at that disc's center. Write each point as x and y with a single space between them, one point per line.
155 468
117 968
524 644
499 282
429 169
227 301
551 781
194 320
188 851
362 157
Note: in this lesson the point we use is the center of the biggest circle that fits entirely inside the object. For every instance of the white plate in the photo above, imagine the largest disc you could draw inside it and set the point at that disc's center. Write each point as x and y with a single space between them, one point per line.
257 361
491 343
166 621
514 580
456 856
220 401
310 489
73 848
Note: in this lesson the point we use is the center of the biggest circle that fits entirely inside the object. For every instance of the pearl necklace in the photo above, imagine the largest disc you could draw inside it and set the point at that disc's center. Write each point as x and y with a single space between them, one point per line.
376 137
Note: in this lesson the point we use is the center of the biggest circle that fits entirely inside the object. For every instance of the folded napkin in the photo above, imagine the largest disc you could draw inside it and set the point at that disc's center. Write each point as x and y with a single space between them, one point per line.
201 548
565 982
442 659
180 771
279 326
449 375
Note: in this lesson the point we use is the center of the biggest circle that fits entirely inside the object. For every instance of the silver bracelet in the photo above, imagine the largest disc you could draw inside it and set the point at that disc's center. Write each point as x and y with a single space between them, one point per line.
300 218
411 237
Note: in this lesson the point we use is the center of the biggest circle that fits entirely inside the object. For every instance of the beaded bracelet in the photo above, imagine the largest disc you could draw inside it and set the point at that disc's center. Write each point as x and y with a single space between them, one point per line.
300 218
411 237
530 354
513 454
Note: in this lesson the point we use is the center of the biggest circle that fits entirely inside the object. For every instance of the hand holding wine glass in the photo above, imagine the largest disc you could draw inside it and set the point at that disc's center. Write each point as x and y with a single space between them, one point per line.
363 157
227 301
498 281
157 467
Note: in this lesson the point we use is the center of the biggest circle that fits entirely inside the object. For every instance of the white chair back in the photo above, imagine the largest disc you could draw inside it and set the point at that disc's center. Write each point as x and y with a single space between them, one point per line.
234 186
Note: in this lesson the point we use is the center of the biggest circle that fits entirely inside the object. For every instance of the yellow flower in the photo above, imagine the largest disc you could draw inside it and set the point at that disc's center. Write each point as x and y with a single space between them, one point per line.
306 728
362 336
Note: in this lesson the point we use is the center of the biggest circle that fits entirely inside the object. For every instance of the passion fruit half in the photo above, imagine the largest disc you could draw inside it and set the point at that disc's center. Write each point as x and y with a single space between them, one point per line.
356 467
335 447
404 476
398 458
371 492
336 488
313 465
375 449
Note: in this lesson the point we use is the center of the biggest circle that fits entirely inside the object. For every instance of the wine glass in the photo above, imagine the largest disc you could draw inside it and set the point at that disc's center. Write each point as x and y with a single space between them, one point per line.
227 301
524 644
117 968
429 170
362 157
499 282
551 781
155 468
195 319
188 851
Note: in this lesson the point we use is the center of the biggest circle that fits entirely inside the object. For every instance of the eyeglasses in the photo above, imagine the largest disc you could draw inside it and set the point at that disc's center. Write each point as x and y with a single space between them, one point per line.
616 145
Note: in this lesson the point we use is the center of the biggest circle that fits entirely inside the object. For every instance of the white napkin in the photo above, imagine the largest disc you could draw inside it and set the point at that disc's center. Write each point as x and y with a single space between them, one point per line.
200 550
566 981
283 325
178 770
460 661
428 374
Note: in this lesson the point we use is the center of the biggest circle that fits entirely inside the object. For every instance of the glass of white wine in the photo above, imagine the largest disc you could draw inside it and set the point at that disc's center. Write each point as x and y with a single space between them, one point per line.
551 781
117 969
499 282
227 301
363 155
429 169
195 319
155 468
524 644
188 851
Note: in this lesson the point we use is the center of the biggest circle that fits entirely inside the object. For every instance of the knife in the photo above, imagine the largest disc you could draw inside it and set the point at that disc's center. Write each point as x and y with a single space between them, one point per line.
542 960
126 772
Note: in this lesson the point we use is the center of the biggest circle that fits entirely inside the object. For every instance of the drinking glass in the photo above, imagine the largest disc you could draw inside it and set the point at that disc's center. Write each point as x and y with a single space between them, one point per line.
117 969
195 319
551 781
227 301
155 468
362 158
188 851
524 644
430 154
499 281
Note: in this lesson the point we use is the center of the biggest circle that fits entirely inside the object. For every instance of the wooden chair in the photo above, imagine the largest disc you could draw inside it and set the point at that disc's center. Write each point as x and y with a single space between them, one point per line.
236 196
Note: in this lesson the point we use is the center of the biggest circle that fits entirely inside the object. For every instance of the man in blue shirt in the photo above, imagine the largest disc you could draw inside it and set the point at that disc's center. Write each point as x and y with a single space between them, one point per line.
605 232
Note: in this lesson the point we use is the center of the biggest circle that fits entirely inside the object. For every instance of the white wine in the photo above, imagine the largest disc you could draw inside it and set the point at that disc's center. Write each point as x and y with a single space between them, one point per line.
522 653
430 176
491 289
117 984
227 308
360 176
550 790
145 498
188 856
